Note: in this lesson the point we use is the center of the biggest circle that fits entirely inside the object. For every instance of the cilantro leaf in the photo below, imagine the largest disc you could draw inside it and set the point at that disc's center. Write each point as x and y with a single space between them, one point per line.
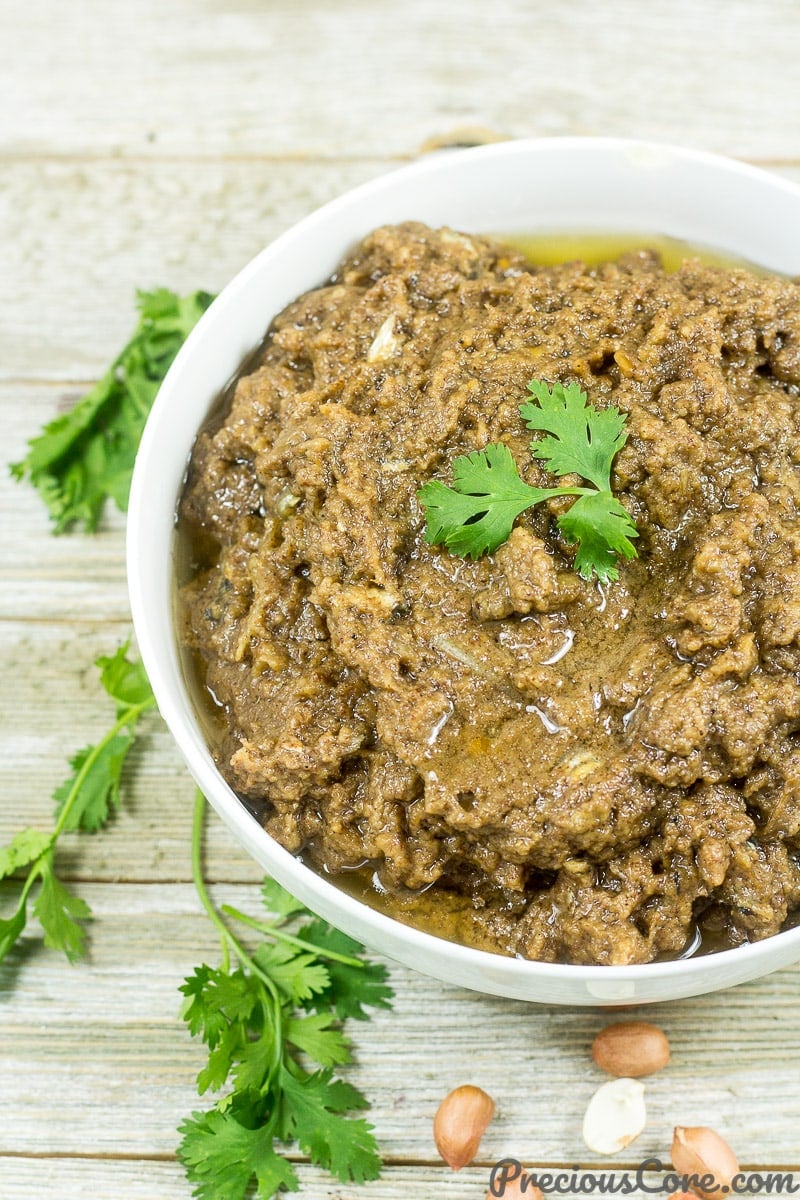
478 513
311 1114
12 928
277 900
214 999
222 1156
298 976
256 1023
25 848
254 1059
59 912
125 680
602 528
349 988
344 1097
99 788
225 1009
84 801
584 439
315 1037
221 1060
86 455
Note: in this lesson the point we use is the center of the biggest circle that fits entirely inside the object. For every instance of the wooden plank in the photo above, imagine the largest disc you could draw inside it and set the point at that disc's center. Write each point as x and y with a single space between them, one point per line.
75 1179
316 77
106 1035
81 237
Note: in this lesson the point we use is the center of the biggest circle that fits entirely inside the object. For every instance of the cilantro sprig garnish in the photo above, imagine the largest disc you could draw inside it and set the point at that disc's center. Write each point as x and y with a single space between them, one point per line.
265 1016
86 455
477 514
84 802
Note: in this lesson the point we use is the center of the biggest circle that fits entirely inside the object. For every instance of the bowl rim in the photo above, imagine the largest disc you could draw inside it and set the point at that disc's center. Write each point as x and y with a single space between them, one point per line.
515 971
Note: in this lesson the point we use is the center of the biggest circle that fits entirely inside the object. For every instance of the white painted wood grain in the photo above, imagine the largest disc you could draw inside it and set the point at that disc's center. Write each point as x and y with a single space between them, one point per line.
106 1034
326 78
77 1179
79 237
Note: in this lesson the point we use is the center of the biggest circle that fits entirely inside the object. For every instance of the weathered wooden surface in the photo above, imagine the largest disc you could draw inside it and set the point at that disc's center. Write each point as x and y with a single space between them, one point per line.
349 78
106 1035
145 144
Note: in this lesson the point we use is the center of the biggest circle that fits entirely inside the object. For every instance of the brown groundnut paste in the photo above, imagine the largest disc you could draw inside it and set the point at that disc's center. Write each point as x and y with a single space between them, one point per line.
584 774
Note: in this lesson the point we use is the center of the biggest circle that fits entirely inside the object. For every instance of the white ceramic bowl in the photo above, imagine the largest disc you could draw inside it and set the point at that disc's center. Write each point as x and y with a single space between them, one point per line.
581 184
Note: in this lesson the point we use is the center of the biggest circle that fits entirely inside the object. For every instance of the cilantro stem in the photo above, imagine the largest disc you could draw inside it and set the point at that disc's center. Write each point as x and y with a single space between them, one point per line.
199 881
131 713
34 871
228 938
281 936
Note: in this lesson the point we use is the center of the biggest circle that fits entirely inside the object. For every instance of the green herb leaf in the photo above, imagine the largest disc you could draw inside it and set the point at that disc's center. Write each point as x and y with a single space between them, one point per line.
315 1036
278 901
298 976
86 455
349 988
12 928
603 529
311 1113
215 999
221 1060
25 848
125 680
223 1152
584 439
99 791
87 798
59 912
478 513
84 801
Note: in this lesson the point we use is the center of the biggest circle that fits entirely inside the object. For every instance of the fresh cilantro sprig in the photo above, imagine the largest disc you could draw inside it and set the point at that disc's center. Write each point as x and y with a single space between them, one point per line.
477 514
279 1008
77 461
263 1017
86 455
84 802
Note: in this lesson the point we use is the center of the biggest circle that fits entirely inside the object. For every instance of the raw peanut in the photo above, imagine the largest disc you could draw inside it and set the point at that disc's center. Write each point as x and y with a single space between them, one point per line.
460 1123
631 1048
699 1151
615 1117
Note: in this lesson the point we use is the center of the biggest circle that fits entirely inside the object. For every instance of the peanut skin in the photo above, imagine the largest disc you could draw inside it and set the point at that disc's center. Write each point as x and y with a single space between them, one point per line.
460 1123
631 1049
